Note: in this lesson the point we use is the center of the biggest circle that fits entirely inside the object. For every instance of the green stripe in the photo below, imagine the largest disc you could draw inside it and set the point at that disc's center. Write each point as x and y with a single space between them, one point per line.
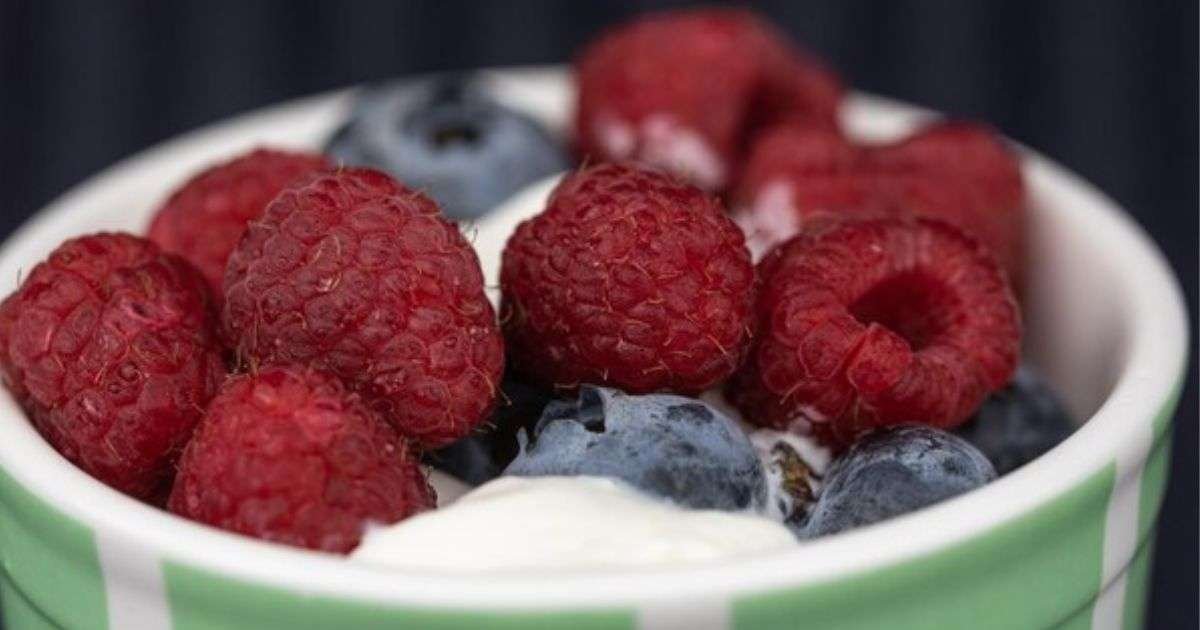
17 613
1150 498
204 601
1036 571
1154 477
51 559
1081 620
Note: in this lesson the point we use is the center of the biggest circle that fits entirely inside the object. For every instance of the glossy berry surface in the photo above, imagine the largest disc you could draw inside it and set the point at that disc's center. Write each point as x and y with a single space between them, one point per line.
1018 423
670 446
629 278
352 272
203 219
894 472
685 91
871 323
111 347
483 455
289 455
447 138
959 172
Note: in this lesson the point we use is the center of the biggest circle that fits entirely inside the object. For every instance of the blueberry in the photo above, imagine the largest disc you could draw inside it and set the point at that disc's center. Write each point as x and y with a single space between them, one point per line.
674 447
1018 423
446 137
892 472
482 456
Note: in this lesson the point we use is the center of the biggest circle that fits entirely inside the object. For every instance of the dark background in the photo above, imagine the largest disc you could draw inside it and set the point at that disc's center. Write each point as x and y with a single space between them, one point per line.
1108 88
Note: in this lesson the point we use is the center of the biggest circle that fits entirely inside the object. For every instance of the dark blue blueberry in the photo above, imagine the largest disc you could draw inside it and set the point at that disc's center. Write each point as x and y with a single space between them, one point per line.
670 446
1018 423
447 137
891 472
482 456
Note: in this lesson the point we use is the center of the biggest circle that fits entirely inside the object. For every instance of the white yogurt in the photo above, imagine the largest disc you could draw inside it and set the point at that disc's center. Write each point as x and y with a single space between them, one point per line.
547 523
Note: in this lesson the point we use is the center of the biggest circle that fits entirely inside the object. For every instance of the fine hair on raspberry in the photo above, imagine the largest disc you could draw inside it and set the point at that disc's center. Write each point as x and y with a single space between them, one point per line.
629 278
351 272
204 217
111 347
877 322
288 454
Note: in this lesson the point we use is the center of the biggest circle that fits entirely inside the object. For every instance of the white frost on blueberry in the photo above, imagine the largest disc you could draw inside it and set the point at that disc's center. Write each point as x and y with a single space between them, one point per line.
566 523
670 446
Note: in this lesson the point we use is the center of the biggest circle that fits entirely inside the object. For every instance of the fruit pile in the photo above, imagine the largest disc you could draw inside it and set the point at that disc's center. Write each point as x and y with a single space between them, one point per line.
299 332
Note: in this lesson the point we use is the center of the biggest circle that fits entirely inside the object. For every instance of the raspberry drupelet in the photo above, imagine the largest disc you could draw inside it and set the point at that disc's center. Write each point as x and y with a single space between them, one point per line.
629 278
111 347
203 219
959 172
877 322
686 90
289 455
351 272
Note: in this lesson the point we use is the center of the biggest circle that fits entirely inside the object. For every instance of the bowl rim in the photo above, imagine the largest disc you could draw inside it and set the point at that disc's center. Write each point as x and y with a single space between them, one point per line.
1120 429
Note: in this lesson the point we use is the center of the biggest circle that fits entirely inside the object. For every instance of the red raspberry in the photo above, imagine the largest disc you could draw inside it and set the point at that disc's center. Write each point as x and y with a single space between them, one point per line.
631 279
353 273
959 172
684 91
204 218
877 322
288 455
111 347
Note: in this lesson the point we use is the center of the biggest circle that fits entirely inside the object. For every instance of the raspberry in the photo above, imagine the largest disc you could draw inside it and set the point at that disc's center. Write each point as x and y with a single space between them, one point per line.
685 90
959 172
353 273
630 279
288 455
111 347
877 322
204 218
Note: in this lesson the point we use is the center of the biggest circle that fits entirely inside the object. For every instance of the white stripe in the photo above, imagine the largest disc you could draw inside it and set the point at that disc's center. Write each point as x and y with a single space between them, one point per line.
1121 531
708 614
133 585
1121 523
1109 612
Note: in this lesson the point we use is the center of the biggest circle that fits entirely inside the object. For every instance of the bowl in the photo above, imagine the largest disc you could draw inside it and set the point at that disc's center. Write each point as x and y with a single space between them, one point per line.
1064 541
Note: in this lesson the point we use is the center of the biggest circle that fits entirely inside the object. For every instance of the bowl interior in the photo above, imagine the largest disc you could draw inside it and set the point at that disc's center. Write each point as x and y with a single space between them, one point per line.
1091 328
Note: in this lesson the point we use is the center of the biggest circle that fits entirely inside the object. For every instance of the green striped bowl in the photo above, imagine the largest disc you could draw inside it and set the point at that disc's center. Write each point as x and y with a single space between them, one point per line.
1065 542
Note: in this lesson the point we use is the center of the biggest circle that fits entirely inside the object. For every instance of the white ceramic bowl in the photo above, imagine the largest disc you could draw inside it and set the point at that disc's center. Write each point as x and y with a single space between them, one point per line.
1060 541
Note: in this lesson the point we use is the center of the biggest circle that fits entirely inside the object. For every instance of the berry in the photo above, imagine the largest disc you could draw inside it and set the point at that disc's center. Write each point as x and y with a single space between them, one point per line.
877 322
448 138
288 455
1018 423
482 455
670 446
958 172
629 278
685 90
204 218
893 472
111 347
353 273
